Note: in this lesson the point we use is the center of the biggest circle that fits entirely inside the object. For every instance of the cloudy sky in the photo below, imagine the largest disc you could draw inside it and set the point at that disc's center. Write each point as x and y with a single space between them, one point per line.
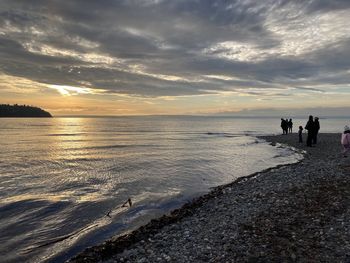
174 56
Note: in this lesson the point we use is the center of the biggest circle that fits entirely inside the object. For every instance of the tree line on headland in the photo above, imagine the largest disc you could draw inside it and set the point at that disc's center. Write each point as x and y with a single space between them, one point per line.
16 110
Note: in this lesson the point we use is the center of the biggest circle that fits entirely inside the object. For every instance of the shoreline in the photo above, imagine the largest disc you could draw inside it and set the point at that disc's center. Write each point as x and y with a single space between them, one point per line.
240 208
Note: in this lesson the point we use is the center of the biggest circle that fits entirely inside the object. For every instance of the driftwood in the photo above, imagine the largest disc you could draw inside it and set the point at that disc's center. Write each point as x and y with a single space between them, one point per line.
127 202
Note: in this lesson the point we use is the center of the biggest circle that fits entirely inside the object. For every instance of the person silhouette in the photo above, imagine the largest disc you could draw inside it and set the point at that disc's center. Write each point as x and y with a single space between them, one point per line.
290 126
284 126
310 127
316 129
300 133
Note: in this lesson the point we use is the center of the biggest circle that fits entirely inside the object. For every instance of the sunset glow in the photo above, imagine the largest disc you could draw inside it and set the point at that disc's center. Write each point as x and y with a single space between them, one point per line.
150 57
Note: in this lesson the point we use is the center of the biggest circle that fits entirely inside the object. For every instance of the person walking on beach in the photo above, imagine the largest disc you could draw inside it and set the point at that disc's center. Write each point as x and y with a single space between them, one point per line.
317 128
310 131
345 140
300 133
290 126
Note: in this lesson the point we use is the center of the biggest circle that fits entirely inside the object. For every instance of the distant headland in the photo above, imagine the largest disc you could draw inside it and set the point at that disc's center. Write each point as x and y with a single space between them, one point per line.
16 110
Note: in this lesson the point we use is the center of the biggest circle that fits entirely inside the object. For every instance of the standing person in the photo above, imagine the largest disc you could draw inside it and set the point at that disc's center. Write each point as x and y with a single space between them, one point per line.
290 126
286 125
345 140
283 125
300 133
317 128
310 131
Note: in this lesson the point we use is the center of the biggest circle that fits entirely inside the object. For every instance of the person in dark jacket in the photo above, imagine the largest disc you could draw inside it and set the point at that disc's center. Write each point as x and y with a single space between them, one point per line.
300 133
290 126
284 126
310 131
316 129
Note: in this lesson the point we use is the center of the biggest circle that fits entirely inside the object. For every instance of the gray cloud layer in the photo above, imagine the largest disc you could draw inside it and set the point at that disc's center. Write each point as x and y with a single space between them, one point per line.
173 48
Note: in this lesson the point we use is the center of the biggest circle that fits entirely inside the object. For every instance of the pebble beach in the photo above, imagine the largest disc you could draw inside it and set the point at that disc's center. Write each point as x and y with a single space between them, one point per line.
292 213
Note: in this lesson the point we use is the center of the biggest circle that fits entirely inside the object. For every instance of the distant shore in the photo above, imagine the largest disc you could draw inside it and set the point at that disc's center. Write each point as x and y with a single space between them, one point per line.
298 212
22 111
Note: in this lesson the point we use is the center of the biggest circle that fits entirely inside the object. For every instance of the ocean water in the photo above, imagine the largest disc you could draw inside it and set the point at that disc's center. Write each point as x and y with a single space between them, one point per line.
61 177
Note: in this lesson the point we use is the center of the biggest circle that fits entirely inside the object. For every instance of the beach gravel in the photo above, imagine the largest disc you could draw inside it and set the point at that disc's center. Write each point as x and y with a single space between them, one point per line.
293 213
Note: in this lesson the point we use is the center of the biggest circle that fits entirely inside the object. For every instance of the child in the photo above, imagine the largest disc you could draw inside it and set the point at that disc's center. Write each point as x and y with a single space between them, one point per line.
300 134
345 140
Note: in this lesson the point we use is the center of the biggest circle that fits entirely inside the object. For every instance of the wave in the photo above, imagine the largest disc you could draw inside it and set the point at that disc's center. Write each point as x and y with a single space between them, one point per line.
250 143
106 147
39 125
99 147
65 134
223 134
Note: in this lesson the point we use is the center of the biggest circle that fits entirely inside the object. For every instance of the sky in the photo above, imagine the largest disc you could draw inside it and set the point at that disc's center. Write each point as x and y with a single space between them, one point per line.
135 57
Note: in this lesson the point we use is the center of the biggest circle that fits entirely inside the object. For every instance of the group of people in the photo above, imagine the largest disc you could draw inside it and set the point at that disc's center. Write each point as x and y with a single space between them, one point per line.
312 127
287 126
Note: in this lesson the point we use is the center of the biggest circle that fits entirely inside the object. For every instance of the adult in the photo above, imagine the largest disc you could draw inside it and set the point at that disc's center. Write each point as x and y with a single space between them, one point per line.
317 128
284 125
345 140
300 133
310 127
290 126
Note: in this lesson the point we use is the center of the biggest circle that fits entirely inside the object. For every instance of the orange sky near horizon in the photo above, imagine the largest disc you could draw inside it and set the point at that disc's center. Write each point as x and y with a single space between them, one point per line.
68 101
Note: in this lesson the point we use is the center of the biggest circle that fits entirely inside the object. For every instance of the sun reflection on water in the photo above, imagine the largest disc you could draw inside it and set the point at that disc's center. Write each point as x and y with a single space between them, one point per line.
61 197
71 132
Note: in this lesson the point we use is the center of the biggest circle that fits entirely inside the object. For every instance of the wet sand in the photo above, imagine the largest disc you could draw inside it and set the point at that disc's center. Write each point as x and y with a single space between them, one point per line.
292 213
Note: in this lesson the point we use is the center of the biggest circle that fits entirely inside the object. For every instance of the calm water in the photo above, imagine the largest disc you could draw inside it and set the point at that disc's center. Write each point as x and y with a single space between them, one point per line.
60 177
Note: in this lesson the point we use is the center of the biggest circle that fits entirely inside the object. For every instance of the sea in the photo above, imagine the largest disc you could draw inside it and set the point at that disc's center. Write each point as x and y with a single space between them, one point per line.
65 182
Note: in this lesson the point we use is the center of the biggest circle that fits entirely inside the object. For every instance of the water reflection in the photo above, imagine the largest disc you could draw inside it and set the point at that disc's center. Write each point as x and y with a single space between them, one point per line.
68 134
59 197
66 174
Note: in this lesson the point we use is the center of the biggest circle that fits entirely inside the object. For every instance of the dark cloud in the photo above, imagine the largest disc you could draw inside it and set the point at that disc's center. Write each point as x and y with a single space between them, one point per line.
166 48
326 6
